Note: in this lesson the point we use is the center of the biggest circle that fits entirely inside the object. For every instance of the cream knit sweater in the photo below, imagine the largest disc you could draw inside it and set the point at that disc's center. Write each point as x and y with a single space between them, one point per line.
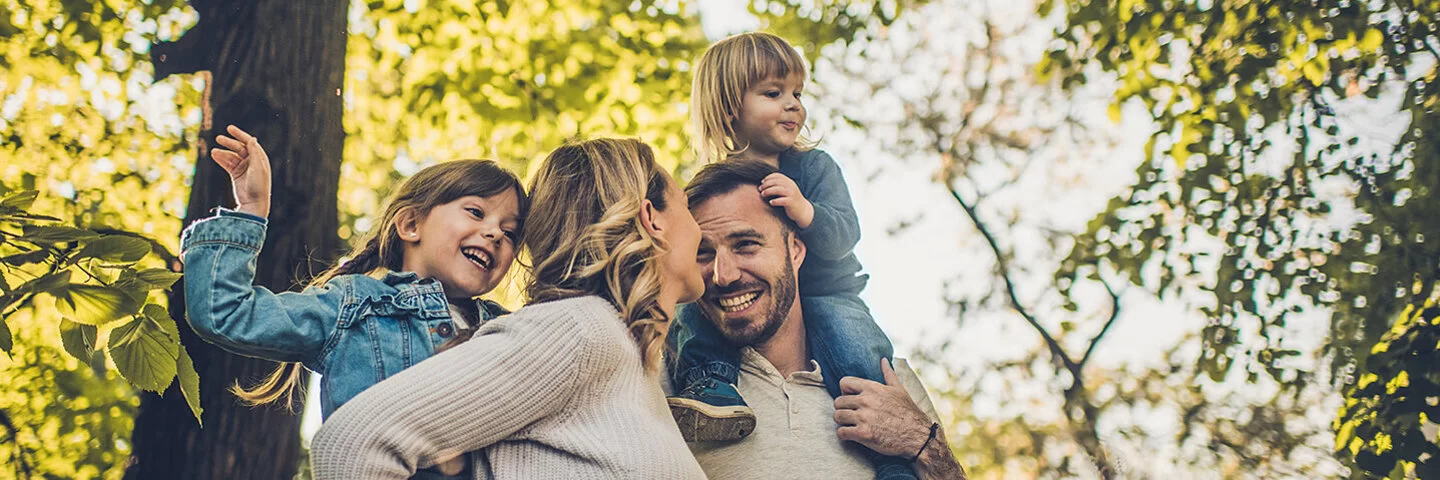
554 390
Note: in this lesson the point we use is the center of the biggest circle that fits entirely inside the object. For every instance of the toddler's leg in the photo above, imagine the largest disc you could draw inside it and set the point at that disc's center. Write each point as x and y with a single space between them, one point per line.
707 406
844 339
847 342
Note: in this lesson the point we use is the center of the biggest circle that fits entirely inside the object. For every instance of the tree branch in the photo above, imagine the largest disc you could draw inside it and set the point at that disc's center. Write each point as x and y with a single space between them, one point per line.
1056 351
1114 314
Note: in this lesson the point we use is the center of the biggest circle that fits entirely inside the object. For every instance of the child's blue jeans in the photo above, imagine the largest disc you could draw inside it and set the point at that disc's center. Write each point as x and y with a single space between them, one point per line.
842 336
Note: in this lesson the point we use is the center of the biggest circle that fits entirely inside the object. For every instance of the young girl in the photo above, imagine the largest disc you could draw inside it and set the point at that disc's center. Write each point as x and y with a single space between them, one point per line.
448 235
747 106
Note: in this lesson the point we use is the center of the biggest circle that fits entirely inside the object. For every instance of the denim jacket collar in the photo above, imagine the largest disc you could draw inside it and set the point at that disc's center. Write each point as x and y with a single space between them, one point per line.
427 296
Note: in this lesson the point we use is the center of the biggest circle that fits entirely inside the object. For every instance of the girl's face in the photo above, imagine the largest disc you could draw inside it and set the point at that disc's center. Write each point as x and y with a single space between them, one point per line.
771 115
467 244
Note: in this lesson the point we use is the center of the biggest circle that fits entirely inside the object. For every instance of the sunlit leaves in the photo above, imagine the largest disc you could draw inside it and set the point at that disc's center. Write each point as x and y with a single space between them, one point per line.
146 351
115 249
1379 427
78 339
1346 222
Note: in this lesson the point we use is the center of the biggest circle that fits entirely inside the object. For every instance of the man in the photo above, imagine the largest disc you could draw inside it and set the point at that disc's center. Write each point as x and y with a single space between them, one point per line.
749 251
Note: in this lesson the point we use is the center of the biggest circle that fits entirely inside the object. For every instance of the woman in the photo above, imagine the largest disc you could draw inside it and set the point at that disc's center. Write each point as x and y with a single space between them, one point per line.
566 387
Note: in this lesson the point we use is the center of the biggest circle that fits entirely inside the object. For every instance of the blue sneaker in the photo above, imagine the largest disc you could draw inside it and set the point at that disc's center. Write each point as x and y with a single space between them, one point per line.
711 411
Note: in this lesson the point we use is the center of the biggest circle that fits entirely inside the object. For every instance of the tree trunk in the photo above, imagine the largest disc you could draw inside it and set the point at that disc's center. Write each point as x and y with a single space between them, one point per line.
277 69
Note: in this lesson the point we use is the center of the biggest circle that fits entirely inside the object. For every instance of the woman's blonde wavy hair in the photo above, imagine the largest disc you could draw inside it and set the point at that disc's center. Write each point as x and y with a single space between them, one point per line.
725 71
584 233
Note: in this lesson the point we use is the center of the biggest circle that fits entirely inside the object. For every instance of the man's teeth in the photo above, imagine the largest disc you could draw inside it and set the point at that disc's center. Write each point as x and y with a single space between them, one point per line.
738 302
477 256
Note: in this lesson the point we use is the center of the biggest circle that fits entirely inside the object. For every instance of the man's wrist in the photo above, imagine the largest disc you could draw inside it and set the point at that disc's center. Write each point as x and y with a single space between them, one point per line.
936 460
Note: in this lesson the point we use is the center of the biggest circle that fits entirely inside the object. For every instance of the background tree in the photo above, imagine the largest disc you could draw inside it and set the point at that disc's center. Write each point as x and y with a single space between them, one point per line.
952 88
1311 207
290 98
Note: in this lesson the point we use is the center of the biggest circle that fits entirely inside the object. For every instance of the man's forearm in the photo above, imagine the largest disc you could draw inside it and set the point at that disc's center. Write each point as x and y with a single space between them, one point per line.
936 462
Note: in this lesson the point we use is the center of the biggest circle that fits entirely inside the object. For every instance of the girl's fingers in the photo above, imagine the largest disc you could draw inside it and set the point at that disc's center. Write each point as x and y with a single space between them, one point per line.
245 138
230 143
228 160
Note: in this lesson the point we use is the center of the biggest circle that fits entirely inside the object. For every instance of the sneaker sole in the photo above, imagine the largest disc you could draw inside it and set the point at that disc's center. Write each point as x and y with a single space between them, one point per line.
702 422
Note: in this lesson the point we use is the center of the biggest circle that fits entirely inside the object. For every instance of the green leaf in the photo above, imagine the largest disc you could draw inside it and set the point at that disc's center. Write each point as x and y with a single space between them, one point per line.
47 235
145 354
162 319
94 304
158 277
189 383
21 259
78 339
54 284
116 249
6 342
19 200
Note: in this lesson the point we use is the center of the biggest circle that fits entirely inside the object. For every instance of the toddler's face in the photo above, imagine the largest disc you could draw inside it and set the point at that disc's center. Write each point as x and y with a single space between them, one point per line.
771 114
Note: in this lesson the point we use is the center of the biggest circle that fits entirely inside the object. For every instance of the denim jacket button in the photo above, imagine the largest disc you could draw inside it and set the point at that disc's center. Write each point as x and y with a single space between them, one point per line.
444 329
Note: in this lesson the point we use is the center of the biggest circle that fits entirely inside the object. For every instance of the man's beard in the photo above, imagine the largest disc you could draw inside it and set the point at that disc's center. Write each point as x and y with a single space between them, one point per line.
782 292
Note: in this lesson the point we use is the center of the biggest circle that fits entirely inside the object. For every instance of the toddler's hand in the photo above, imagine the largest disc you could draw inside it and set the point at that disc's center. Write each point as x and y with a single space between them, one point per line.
782 192
249 169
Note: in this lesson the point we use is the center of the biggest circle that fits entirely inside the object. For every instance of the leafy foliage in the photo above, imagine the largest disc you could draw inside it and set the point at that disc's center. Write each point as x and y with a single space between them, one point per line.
95 281
1217 77
1301 206
67 417
1380 427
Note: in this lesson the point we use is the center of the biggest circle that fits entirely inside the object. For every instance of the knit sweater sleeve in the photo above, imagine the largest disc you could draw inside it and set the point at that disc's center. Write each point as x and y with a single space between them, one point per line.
517 370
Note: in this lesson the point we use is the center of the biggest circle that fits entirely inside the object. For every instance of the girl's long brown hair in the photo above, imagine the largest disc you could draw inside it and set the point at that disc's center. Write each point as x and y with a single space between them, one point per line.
381 249
585 235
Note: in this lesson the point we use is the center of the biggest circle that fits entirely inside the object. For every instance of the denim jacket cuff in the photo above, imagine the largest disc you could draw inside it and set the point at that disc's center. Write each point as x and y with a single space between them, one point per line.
229 227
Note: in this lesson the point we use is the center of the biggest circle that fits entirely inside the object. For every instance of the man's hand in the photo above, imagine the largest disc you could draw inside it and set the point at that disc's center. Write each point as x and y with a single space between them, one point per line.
883 417
249 169
780 191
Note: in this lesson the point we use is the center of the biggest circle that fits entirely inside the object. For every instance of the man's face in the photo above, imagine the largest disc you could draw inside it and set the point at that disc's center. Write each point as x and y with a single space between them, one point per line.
749 261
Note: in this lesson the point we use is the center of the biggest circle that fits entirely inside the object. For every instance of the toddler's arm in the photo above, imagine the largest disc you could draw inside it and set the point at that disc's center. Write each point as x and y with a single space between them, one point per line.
835 230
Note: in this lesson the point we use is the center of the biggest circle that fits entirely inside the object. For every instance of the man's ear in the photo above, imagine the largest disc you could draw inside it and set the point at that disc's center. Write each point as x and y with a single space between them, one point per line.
407 225
797 250
650 219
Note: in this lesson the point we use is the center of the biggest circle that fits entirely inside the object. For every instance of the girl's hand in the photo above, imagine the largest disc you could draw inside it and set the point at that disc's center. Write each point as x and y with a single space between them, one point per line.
249 169
780 191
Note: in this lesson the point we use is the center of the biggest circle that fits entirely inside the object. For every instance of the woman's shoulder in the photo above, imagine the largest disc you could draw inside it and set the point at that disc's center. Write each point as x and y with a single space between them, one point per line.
590 315
579 308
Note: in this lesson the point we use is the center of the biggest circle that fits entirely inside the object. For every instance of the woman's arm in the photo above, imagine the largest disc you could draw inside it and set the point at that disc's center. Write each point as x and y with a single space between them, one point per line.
516 370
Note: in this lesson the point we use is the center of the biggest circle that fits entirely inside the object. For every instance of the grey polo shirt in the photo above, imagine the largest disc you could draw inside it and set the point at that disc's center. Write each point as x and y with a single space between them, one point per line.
794 435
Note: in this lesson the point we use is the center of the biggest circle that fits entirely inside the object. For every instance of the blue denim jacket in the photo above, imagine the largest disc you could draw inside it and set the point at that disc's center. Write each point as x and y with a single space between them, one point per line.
355 330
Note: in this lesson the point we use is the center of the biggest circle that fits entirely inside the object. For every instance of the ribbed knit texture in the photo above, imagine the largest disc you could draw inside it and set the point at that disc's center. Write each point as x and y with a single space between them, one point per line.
554 390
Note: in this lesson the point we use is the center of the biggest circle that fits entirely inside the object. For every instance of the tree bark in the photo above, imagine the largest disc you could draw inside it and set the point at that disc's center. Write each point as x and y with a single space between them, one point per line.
276 70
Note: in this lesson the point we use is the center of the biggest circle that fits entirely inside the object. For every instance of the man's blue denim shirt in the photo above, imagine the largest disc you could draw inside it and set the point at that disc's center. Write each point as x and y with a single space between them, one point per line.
355 330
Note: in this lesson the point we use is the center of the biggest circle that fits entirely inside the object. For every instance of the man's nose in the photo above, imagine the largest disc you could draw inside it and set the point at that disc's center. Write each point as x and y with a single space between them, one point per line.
723 271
